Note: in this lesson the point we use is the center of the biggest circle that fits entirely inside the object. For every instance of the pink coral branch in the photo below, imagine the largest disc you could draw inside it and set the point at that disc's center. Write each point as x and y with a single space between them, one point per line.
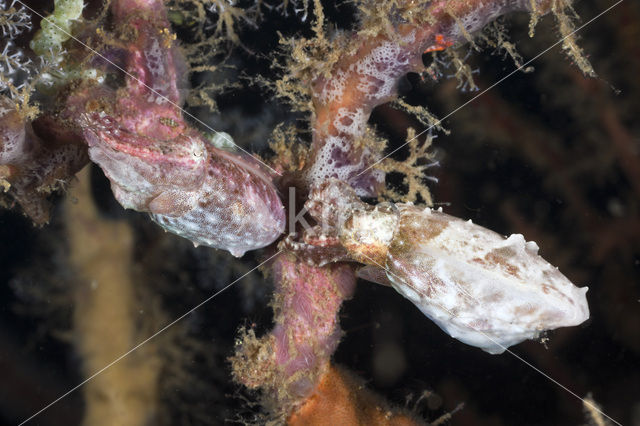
287 363
360 81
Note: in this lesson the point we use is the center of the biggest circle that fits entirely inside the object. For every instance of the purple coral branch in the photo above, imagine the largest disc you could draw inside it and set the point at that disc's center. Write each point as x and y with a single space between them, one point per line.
287 363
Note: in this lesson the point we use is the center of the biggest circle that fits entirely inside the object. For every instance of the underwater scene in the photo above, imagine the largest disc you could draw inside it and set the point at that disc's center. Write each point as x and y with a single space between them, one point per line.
309 212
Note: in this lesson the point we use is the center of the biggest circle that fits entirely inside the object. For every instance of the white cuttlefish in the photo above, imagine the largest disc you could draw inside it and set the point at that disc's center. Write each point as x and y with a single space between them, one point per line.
481 288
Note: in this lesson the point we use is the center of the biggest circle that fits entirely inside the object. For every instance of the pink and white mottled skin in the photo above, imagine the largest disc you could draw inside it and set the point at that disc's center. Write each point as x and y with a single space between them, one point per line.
156 162
481 288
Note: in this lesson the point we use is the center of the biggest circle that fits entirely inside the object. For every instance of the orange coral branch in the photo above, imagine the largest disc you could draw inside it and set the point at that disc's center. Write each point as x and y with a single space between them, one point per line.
340 399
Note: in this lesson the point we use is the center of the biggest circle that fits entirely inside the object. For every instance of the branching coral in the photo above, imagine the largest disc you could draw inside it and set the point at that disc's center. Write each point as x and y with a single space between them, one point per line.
483 289
414 170
16 69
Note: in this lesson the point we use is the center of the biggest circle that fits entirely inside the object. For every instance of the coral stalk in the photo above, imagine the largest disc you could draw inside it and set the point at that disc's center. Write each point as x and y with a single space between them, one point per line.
344 96
107 320
287 363
340 399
